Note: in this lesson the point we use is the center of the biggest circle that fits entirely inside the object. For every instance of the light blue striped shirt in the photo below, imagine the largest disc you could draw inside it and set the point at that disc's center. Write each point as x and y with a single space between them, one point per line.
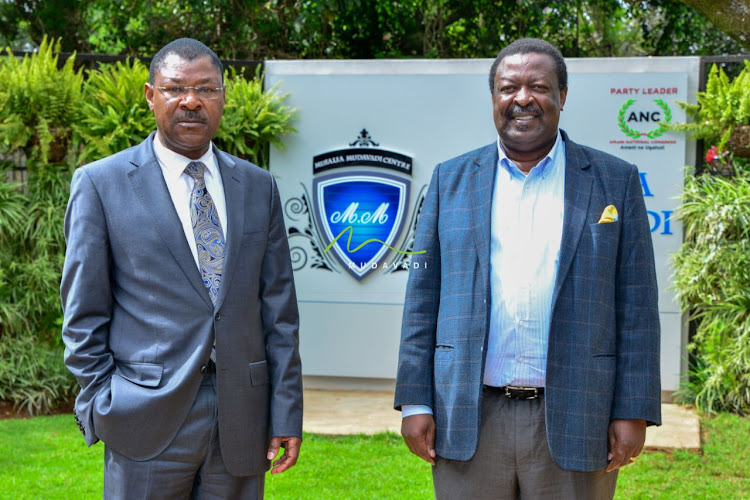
527 217
527 220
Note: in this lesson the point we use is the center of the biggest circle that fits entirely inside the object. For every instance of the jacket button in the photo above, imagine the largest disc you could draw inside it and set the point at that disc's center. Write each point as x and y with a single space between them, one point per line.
203 369
218 317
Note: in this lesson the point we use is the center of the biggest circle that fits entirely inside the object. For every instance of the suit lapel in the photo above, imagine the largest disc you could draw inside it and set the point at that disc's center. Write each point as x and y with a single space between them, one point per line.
234 194
486 165
577 196
151 189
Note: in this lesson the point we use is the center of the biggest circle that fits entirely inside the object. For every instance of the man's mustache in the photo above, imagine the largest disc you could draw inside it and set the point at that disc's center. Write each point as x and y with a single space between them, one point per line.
530 109
193 116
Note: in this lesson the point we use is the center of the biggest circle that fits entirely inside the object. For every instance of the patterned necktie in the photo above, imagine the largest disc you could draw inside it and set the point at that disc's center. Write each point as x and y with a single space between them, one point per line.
209 238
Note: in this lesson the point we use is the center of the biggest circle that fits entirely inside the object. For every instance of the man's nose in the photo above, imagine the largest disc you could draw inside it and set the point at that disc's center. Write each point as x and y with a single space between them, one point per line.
524 96
190 100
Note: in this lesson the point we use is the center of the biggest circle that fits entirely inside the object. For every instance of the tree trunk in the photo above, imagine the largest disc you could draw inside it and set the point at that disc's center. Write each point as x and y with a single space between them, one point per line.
730 16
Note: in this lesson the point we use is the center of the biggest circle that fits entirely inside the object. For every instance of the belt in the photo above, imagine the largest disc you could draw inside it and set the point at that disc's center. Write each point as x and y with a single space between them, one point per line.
209 367
515 392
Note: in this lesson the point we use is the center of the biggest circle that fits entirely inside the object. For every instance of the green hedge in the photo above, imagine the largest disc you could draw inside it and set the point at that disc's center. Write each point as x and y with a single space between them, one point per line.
53 119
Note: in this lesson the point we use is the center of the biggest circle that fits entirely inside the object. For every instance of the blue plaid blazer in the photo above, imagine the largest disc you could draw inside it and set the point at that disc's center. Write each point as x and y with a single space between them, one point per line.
603 353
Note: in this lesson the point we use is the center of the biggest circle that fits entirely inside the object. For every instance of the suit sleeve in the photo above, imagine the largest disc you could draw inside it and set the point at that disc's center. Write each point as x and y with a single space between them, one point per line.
281 327
415 378
637 383
86 296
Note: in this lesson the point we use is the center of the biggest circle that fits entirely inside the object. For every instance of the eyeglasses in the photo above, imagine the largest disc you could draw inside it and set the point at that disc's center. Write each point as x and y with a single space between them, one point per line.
182 91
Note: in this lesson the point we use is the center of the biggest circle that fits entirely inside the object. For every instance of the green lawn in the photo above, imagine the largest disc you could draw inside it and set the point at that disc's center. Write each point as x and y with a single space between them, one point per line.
45 457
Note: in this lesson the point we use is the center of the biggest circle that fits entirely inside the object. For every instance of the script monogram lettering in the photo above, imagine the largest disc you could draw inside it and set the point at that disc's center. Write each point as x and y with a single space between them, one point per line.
350 215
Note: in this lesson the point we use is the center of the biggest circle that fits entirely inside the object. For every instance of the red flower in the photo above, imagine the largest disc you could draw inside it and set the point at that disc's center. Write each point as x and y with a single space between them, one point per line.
712 154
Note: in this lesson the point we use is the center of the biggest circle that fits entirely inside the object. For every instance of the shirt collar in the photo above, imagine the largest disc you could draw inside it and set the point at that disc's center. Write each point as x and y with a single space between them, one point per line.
174 163
541 169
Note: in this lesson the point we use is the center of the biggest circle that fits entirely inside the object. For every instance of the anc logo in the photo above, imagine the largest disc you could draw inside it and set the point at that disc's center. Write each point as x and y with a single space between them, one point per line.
633 119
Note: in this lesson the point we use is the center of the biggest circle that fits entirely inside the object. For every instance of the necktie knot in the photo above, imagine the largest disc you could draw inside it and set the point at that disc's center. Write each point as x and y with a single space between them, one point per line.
196 169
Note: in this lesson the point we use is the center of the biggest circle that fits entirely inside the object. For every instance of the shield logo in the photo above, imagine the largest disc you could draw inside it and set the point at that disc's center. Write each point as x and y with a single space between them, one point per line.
361 215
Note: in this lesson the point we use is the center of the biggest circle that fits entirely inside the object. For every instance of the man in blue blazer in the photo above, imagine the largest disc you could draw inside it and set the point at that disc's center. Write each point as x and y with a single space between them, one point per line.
180 315
529 357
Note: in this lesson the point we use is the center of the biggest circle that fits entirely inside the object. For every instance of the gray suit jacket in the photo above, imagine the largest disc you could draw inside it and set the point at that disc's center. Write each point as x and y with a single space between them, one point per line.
139 323
603 353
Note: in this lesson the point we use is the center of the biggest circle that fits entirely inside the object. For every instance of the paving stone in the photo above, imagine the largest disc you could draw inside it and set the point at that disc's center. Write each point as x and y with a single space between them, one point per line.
371 412
680 429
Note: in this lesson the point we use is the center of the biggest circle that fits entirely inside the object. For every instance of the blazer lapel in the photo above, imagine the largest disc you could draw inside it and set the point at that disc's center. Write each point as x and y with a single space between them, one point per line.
234 194
151 189
577 196
486 166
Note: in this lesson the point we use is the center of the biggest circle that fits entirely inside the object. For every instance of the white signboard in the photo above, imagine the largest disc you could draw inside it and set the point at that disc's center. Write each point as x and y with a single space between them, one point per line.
369 135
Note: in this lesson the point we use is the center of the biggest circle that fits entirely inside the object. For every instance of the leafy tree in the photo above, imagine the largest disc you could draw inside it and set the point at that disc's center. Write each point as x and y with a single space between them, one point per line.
28 21
239 29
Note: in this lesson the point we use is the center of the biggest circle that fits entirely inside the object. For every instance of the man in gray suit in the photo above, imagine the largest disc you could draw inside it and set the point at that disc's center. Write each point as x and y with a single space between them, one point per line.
181 320
529 358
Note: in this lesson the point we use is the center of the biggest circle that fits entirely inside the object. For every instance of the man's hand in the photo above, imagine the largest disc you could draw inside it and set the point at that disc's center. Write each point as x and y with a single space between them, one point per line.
419 434
291 452
626 438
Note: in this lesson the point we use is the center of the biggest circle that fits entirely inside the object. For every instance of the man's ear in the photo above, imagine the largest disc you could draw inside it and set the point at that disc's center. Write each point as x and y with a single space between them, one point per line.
148 89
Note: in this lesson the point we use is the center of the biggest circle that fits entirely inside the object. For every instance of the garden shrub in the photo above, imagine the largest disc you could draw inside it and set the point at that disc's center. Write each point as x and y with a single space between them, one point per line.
712 268
115 112
38 104
253 119
712 277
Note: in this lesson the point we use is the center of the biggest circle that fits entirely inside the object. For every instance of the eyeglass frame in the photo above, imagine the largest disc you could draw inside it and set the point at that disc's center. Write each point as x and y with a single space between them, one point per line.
186 89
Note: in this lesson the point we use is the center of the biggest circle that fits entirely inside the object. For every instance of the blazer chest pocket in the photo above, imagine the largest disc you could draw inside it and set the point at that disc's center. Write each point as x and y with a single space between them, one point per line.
254 238
258 373
608 230
144 374
605 238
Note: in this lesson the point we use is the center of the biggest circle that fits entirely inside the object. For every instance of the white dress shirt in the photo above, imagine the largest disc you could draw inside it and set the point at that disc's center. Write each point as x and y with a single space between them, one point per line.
180 186
527 221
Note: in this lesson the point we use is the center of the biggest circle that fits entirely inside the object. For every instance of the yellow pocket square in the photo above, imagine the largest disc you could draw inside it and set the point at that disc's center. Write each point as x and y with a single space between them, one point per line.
609 214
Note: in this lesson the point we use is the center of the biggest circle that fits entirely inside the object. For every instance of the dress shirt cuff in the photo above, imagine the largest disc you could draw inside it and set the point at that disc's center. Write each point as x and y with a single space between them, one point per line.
409 410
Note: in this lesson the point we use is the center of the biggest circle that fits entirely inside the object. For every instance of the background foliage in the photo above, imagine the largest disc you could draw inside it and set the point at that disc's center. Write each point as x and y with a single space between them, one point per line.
115 110
366 29
38 104
723 106
51 122
712 268
252 119
713 281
